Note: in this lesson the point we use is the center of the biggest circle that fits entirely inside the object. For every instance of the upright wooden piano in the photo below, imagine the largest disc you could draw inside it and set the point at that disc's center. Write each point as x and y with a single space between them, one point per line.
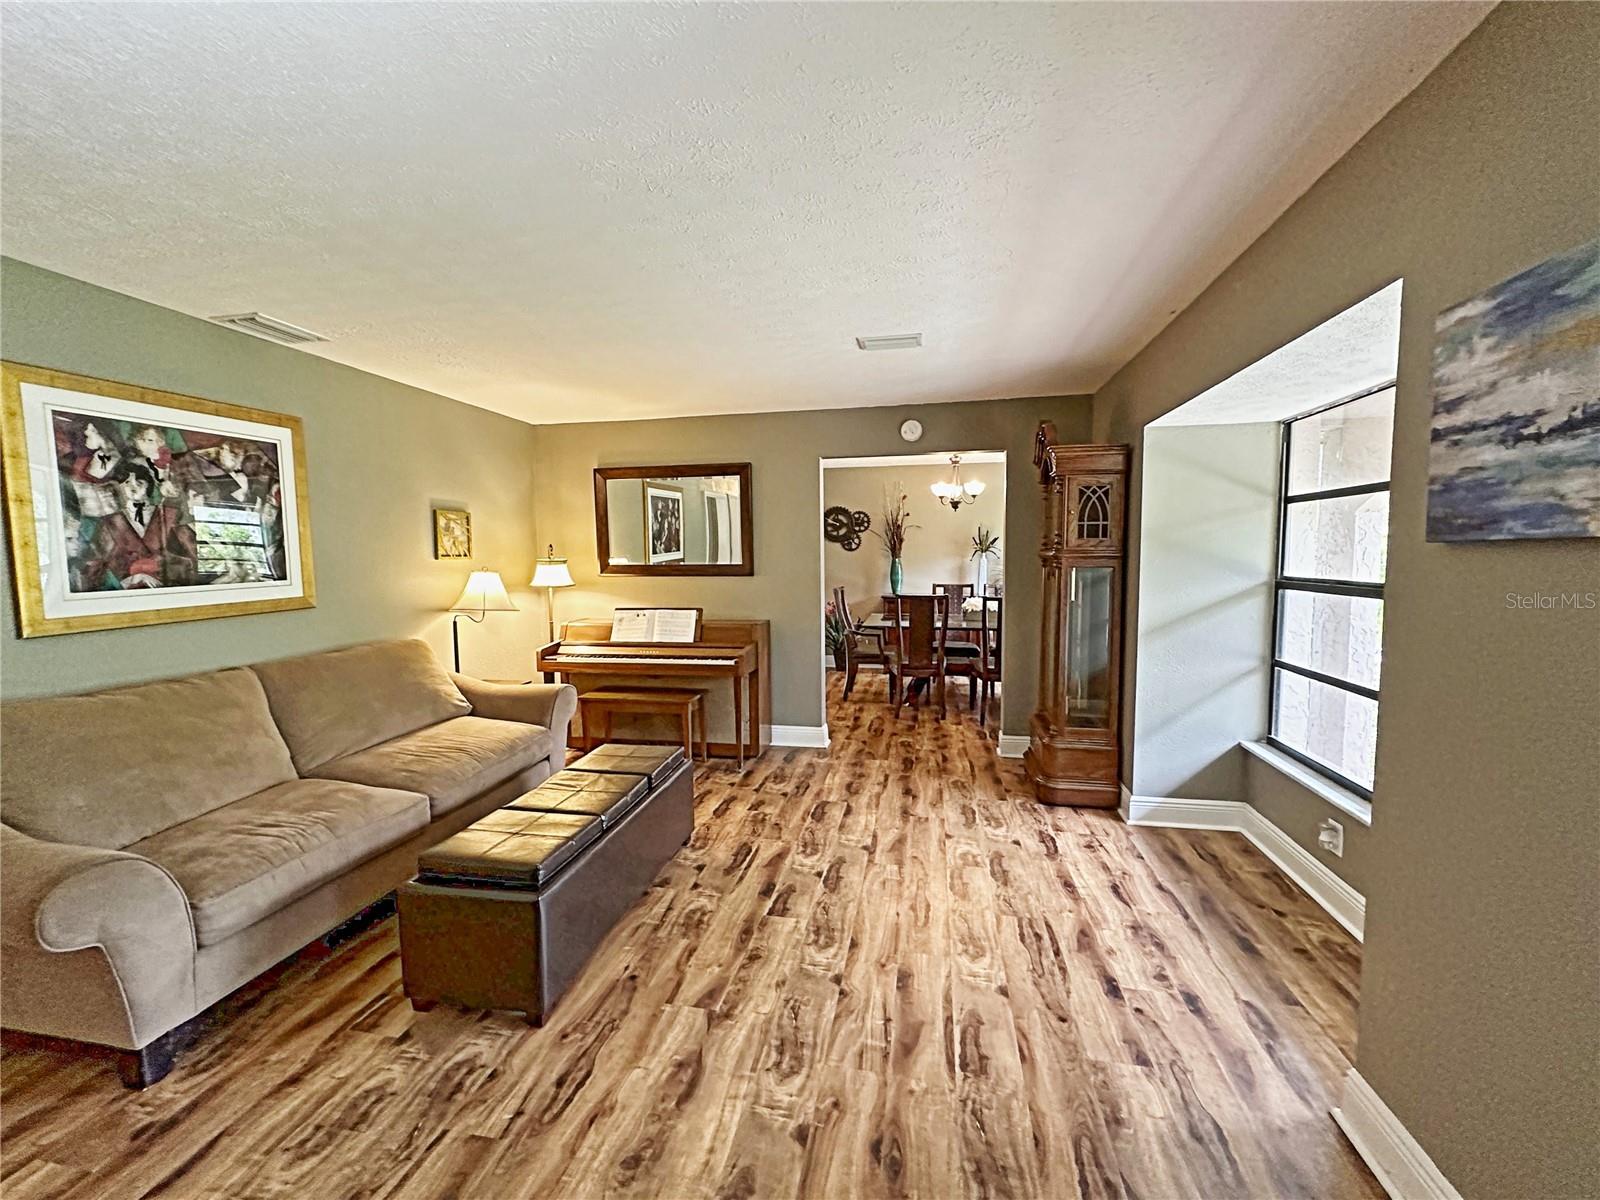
738 652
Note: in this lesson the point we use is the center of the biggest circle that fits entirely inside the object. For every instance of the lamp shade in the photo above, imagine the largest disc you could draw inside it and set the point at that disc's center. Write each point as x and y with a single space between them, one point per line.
551 573
485 592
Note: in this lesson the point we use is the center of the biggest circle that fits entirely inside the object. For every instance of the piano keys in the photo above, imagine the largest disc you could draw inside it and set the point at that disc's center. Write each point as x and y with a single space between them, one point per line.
735 651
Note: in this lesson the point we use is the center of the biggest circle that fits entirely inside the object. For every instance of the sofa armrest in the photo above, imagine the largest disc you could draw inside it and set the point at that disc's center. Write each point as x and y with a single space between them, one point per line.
129 915
552 705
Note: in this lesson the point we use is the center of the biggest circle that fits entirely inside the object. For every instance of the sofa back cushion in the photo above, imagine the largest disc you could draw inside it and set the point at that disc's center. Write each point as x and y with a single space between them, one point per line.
341 701
109 768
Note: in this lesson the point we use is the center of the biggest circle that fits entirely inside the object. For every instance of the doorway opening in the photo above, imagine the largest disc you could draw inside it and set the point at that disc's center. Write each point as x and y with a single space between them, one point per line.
952 516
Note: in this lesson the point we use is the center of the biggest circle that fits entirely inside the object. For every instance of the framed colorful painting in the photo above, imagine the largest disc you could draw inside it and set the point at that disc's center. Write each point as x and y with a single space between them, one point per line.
1514 451
128 506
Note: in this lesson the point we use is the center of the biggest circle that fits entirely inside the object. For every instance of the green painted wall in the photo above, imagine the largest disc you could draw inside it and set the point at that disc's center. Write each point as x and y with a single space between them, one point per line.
785 450
1479 1010
380 456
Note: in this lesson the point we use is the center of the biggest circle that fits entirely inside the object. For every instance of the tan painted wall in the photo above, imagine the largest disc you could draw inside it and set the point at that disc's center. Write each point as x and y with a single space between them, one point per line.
939 551
1479 1005
380 455
785 450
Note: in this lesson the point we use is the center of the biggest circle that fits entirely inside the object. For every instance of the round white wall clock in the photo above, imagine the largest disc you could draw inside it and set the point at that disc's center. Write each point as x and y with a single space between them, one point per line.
911 430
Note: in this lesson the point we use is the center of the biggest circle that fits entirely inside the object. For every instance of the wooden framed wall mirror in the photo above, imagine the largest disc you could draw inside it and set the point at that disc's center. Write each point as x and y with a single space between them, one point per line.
689 519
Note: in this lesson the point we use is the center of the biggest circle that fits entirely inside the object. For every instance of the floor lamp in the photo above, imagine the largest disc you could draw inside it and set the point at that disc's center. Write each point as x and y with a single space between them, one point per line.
484 594
551 573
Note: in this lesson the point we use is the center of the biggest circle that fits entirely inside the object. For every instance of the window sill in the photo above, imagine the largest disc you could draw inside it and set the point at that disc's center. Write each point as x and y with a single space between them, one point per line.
1357 807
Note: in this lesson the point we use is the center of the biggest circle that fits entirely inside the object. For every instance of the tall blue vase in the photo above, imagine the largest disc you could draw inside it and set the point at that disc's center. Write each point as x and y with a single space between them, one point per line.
897 576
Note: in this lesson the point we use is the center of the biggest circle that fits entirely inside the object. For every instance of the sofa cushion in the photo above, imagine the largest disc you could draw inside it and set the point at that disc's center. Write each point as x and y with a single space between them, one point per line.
450 763
108 768
341 701
244 862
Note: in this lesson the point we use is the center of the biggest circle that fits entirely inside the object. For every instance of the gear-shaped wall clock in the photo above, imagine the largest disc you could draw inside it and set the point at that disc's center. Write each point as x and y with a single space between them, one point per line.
843 527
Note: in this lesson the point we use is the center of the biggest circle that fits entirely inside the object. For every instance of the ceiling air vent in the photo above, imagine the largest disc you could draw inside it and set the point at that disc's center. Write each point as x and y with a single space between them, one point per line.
893 341
270 328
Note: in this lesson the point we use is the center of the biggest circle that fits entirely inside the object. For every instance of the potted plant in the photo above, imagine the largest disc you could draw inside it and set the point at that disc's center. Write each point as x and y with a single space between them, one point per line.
985 545
896 521
835 631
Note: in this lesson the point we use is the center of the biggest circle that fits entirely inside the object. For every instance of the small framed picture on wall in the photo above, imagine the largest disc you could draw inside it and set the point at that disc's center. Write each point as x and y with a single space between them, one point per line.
452 533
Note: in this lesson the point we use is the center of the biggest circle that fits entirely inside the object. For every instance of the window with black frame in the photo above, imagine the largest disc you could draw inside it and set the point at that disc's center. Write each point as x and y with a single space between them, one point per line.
1333 541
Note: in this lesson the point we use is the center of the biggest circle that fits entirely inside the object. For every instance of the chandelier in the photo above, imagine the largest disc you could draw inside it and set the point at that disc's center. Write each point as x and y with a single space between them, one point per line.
954 491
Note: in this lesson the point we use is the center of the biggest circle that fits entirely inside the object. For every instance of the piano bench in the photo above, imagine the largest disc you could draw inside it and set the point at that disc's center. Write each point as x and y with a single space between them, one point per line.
601 704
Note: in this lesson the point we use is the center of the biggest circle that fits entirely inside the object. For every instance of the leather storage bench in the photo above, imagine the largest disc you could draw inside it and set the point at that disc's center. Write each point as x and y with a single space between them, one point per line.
505 913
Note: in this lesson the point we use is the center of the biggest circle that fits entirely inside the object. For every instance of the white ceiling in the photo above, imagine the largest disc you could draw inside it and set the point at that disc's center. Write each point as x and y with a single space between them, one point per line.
575 212
1348 353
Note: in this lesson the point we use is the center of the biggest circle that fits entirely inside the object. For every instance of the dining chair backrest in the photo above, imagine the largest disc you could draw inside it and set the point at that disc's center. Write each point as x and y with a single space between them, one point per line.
956 592
991 621
921 623
841 607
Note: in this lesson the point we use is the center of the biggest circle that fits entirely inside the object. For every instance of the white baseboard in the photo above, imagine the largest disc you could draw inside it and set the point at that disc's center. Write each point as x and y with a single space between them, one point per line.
1401 1165
1012 745
812 737
1342 902
1172 813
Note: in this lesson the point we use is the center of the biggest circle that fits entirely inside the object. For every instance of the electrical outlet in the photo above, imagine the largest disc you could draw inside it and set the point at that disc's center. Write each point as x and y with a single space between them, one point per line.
1330 836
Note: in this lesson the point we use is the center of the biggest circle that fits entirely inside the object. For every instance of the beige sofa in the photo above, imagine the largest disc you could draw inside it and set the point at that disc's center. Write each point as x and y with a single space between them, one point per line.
162 844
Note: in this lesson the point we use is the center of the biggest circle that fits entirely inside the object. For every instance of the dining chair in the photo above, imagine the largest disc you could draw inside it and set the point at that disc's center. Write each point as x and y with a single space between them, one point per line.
990 636
961 657
860 645
960 651
920 621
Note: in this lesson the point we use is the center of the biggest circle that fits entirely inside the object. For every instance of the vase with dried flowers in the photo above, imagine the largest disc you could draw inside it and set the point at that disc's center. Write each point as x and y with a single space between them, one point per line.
985 545
896 521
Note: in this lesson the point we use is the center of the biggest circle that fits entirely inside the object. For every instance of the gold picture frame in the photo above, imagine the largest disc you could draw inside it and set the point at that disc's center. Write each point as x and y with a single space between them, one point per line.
227 495
452 533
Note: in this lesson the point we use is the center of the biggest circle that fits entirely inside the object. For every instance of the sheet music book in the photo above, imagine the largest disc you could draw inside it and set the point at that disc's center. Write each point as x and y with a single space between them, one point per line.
654 624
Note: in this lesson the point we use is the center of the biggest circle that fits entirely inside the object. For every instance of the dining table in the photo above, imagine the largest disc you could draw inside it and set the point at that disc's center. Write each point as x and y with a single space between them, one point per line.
968 624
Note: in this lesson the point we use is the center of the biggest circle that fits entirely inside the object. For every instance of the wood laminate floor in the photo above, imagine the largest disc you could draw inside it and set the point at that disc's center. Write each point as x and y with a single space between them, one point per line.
878 971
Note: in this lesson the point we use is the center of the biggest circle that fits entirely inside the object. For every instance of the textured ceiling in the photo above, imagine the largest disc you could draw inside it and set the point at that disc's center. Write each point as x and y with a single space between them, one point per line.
573 212
1348 353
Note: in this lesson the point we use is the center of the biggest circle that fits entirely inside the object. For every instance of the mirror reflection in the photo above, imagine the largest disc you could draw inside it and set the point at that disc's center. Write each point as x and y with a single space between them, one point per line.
675 521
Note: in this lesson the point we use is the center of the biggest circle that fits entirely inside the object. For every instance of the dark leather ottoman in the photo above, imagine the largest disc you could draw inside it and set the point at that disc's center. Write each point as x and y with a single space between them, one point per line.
655 763
505 913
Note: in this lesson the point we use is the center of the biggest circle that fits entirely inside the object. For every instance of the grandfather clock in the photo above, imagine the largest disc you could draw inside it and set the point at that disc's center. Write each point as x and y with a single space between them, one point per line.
1073 744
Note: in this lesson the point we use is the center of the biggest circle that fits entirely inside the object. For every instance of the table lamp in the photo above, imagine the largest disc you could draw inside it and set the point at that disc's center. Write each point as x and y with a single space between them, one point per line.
484 594
551 573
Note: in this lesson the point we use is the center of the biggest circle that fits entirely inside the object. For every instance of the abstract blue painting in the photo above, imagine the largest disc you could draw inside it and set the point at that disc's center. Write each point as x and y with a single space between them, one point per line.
1515 444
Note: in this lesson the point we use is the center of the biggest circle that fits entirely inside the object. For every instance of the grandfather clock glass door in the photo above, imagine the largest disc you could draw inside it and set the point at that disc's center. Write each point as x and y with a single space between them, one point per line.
1088 649
1073 746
